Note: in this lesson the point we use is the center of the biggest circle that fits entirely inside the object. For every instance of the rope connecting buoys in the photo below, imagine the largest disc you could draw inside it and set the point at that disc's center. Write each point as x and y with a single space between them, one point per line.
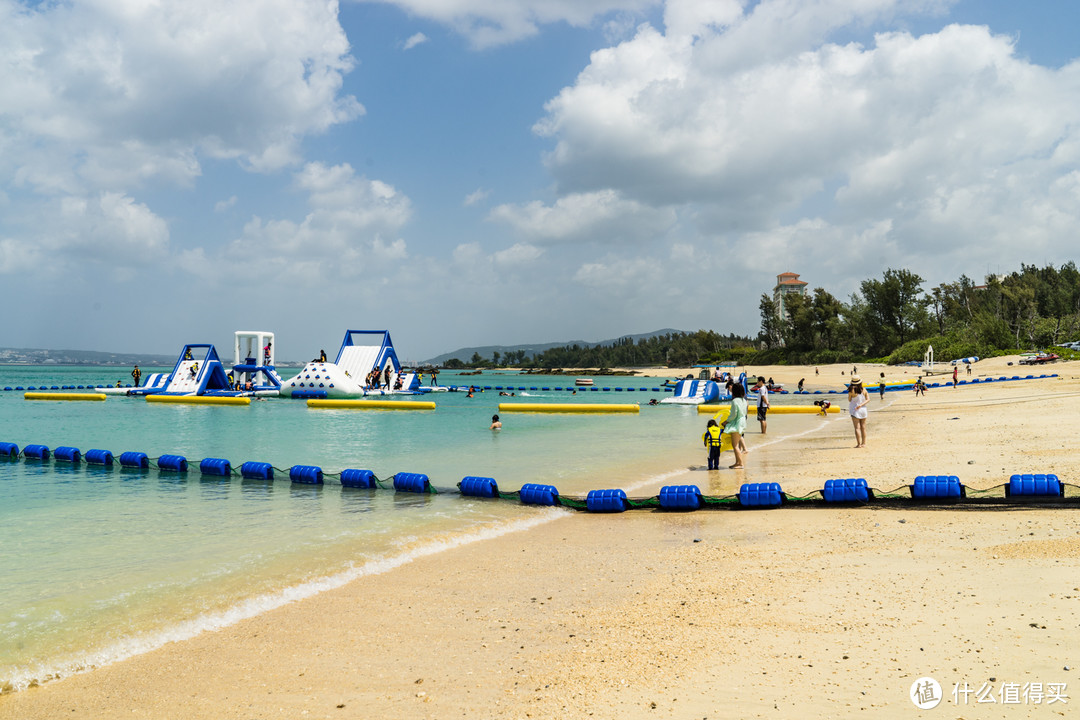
198 400
95 397
372 404
569 408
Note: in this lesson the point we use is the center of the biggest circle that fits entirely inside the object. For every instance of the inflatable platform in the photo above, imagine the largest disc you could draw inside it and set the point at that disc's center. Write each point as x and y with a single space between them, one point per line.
693 392
198 371
352 373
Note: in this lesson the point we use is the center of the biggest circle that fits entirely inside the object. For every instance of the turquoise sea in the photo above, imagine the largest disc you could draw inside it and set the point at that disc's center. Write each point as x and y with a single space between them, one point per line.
100 564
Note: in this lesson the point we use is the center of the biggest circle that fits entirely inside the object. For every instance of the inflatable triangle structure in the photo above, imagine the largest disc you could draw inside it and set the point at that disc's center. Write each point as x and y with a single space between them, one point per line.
198 371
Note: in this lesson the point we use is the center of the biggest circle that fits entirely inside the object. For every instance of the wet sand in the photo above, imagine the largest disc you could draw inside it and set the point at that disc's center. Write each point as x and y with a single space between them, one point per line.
796 612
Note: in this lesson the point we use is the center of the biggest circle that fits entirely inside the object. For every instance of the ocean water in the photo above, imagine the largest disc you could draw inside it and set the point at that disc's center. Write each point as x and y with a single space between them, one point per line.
100 564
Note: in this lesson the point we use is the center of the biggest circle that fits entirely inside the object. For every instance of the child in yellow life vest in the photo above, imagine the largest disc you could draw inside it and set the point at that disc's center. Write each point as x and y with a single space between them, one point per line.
712 439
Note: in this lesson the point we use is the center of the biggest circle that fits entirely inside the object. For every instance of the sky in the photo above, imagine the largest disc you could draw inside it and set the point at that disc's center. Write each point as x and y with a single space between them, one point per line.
485 172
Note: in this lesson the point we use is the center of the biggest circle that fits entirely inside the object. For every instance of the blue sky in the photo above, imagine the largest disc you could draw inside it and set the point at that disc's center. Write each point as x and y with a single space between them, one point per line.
462 172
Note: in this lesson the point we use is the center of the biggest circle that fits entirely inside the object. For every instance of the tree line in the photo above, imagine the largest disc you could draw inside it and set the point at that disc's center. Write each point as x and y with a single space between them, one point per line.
889 319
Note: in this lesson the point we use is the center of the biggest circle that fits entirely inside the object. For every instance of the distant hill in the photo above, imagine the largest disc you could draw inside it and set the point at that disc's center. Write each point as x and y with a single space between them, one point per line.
40 356
465 354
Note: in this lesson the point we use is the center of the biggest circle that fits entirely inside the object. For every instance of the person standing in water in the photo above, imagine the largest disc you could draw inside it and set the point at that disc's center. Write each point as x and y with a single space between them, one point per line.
496 424
736 424
712 440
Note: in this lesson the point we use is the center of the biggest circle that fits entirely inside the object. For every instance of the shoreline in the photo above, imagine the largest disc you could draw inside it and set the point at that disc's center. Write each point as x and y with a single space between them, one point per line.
621 611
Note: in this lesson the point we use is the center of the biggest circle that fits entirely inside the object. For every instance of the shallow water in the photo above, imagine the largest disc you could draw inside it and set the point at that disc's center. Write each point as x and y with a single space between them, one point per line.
100 564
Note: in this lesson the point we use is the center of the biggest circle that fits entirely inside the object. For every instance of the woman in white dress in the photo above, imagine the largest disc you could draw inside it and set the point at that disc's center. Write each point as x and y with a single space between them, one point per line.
858 398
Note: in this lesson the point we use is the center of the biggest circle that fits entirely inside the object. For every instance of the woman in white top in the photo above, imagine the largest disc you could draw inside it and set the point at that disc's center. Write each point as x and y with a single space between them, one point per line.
857 401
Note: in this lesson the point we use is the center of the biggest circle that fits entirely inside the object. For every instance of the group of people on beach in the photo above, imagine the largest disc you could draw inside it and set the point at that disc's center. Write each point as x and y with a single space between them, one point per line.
735 425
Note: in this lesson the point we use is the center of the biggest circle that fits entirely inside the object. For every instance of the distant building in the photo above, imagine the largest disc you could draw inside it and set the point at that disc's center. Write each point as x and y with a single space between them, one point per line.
787 284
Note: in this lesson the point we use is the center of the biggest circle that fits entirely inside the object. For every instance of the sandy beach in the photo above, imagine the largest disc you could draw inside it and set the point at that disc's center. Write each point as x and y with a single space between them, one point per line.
795 612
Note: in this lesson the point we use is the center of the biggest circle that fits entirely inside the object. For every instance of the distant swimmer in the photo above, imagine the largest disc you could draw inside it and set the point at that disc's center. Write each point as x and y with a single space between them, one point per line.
136 374
503 393
654 401
496 424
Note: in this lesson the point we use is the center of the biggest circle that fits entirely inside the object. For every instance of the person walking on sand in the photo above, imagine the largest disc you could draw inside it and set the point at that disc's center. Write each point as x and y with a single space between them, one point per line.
736 424
712 440
762 403
955 372
881 387
857 401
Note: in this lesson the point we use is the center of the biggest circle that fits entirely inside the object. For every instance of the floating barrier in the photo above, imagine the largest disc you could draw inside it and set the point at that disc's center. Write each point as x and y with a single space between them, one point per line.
761 495
174 463
359 479
926 490
94 397
937 487
372 404
851 490
36 452
99 457
306 474
606 501
412 482
680 497
569 408
67 454
215 466
473 486
198 400
131 459
257 471
1038 485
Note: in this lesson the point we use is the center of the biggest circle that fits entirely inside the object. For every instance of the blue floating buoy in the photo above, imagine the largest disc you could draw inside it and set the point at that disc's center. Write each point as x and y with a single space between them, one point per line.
176 463
57 387
1034 484
411 482
99 457
558 388
215 466
544 388
761 495
9 450
252 470
19 387
606 501
479 487
358 479
307 474
680 497
536 494
37 452
532 388
849 490
937 487
132 459
67 454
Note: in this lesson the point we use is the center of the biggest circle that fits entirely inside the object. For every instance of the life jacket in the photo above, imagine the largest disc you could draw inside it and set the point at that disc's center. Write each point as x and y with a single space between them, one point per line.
711 437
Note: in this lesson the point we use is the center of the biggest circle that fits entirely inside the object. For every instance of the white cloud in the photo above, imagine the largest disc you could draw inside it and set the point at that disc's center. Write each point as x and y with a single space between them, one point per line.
103 95
601 216
517 255
223 205
487 23
351 228
476 196
414 40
